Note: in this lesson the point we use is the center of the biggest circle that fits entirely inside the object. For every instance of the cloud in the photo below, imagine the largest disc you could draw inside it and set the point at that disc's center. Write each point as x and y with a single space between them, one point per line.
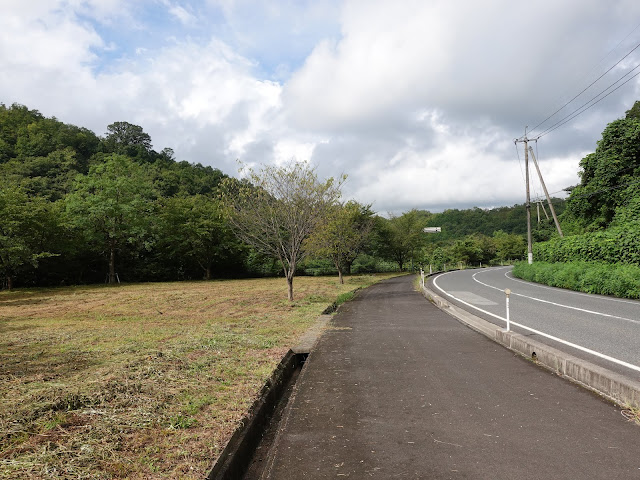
419 102
183 15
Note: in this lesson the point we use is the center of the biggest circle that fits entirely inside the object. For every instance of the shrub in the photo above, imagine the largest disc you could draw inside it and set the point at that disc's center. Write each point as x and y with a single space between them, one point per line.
618 279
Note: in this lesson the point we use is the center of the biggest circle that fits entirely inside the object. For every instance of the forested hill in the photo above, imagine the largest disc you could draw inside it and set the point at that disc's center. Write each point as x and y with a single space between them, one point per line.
73 202
76 207
460 223
44 155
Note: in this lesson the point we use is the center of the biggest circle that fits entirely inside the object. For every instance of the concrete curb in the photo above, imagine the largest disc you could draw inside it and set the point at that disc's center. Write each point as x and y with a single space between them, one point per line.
611 385
236 456
238 453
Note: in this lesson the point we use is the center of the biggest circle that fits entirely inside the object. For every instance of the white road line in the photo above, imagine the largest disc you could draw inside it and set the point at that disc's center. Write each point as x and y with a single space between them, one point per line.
537 332
608 315
602 297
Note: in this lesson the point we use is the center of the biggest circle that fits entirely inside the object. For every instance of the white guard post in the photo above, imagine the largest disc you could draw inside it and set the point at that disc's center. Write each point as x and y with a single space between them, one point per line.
507 293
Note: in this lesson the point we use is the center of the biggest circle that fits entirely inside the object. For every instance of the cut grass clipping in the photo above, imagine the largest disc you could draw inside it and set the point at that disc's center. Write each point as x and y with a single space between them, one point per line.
141 381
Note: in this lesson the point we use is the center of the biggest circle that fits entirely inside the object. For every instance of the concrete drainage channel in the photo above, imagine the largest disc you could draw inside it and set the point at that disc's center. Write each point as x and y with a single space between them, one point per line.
615 387
239 459
243 454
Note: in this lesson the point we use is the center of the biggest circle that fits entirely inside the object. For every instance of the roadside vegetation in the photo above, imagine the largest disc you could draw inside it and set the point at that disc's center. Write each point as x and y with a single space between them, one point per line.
145 380
601 250
616 279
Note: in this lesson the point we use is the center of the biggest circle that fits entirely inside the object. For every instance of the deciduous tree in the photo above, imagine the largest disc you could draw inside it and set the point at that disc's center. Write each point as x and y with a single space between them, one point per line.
278 208
342 235
24 226
112 206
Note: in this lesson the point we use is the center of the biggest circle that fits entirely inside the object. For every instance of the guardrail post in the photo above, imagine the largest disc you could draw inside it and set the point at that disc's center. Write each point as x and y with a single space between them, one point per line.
507 293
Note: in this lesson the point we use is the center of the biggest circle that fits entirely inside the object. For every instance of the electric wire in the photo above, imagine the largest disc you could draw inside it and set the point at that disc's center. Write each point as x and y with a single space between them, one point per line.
591 84
580 110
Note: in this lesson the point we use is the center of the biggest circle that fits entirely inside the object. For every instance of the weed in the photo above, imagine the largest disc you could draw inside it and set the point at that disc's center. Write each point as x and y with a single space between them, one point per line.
632 414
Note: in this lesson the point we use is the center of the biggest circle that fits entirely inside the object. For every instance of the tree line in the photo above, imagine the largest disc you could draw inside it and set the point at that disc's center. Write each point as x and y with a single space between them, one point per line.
76 207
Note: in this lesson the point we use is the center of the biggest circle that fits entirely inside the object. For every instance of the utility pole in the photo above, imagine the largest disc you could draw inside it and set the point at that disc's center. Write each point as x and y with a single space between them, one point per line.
544 210
525 140
553 212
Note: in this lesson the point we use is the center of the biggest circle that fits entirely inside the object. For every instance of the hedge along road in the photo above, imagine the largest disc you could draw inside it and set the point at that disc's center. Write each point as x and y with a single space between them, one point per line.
603 330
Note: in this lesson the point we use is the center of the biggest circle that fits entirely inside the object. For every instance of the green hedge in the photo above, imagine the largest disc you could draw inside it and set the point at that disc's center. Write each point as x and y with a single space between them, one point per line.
618 244
621 280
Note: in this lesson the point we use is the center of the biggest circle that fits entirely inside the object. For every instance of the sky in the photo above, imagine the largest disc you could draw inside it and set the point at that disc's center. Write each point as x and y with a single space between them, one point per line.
418 102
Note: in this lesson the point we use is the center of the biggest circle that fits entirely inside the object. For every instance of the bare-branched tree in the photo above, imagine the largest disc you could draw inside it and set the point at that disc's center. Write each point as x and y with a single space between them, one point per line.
276 209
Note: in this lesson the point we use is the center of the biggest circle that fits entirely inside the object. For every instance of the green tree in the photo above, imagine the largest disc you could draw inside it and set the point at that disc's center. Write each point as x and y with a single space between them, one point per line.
195 228
25 226
509 246
342 235
127 139
405 236
278 209
112 206
608 176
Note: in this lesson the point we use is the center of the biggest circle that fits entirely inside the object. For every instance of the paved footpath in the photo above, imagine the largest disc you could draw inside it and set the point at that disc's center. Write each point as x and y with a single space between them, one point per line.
398 389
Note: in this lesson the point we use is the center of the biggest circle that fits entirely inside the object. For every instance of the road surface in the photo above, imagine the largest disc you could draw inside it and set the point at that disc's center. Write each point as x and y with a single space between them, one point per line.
603 330
397 388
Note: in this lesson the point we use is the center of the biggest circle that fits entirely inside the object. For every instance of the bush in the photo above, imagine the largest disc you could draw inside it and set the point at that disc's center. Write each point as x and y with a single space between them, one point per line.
618 279
618 244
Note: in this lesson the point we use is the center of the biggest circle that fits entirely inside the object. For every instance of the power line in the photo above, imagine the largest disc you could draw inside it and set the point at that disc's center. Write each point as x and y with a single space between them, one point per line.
590 85
586 107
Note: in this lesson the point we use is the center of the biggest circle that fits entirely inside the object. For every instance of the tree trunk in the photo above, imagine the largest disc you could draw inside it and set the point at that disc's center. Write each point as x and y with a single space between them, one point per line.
112 265
290 285
347 267
208 273
336 263
9 282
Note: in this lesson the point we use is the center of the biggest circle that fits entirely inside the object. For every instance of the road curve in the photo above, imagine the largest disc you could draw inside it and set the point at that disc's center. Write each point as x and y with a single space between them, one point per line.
601 329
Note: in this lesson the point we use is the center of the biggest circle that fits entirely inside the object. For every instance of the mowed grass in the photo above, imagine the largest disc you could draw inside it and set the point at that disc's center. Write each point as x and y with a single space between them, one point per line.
141 381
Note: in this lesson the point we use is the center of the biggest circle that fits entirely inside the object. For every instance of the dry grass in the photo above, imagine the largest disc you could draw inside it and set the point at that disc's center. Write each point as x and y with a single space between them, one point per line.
140 381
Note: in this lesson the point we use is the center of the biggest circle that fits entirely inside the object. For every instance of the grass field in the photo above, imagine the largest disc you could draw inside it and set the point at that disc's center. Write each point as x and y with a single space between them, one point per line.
141 381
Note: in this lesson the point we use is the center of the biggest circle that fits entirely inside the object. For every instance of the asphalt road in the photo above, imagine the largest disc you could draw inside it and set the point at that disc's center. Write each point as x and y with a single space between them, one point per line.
397 388
603 330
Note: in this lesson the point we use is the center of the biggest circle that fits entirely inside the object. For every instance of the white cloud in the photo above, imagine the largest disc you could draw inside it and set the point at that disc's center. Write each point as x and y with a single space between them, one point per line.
417 101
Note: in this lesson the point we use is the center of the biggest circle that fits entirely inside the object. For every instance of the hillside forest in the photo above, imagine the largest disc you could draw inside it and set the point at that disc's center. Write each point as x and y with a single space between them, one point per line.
78 208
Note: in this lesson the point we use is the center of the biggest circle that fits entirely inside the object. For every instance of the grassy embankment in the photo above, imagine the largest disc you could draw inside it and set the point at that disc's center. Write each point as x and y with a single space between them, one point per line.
620 280
141 381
